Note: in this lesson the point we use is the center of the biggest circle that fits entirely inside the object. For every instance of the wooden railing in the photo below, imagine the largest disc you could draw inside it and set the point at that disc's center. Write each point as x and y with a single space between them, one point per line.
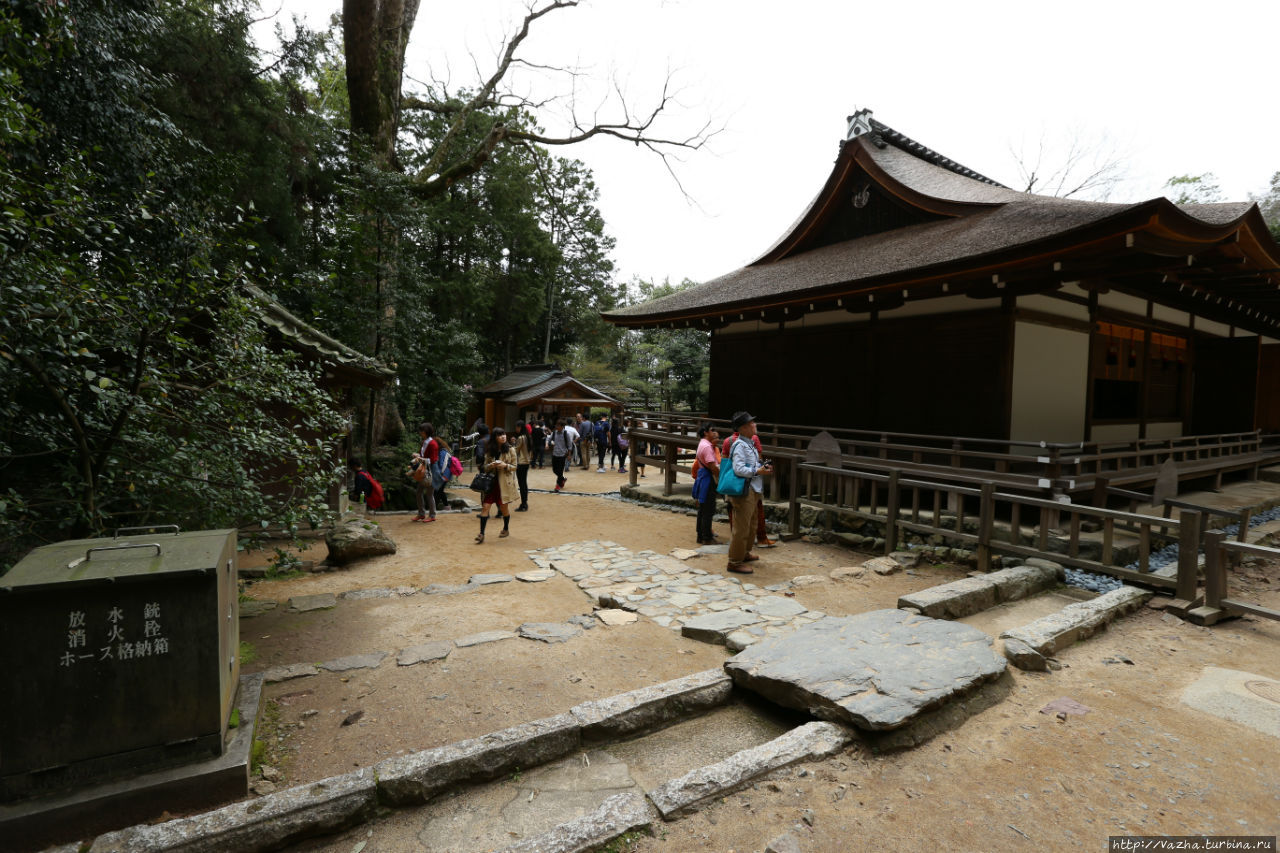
1218 554
918 506
1048 469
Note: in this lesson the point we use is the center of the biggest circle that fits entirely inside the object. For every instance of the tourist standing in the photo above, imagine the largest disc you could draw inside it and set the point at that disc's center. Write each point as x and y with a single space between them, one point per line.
762 532
602 441
562 442
523 457
706 473
585 445
748 465
538 443
615 428
501 456
425 488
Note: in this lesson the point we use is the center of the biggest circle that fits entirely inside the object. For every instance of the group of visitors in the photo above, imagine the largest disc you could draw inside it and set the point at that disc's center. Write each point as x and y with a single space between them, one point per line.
744 452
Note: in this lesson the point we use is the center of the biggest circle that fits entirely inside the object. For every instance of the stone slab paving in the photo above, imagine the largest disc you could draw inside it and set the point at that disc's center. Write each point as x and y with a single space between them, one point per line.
878 670
371 660
484 637
673 591
424 653
304 603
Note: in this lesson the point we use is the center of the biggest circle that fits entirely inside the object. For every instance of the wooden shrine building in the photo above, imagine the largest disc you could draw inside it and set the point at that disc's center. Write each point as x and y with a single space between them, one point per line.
915 295
539 390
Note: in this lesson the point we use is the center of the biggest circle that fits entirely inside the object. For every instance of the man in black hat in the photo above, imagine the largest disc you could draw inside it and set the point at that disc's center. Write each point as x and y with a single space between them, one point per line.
746 464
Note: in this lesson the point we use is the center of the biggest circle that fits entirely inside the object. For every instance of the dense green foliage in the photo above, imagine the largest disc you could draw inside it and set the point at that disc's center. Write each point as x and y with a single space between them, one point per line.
153 163
136 384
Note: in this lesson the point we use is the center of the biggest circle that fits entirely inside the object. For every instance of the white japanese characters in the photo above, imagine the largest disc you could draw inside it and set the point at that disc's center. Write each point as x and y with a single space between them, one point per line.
121 638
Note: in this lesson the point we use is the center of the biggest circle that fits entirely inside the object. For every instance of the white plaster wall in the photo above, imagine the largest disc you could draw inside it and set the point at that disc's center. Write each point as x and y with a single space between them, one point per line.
1050 380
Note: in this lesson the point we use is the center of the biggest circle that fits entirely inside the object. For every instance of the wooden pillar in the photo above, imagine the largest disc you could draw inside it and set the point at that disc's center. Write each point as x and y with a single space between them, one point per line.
891 515
1215 569
986 523
633 473
1188 560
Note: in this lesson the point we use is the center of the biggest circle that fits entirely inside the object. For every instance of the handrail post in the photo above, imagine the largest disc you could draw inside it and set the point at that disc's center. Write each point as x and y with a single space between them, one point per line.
1245 515
1215 569
669 467
986 523
633 473
793 511
891 516
1188 552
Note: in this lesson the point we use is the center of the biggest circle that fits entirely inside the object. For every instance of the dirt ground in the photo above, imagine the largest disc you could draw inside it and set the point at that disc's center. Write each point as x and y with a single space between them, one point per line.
1010 778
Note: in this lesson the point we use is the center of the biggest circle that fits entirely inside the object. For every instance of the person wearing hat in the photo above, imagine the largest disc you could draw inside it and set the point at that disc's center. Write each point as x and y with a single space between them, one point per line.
762 532
747 464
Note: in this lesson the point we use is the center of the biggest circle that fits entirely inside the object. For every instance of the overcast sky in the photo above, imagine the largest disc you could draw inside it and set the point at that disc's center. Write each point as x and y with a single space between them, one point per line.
1172 87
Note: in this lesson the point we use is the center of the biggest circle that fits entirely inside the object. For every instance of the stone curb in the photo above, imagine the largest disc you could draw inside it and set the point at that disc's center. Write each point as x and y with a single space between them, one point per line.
808 742
266 823
967 596
652 707
619 814
332 804
414 779
1029 646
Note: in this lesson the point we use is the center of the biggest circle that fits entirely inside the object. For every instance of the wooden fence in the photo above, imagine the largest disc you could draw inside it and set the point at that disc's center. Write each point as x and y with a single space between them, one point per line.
1048 469
902 504
1218 555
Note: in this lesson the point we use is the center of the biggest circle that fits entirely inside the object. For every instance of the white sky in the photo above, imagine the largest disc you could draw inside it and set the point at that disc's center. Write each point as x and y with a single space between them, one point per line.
1176 87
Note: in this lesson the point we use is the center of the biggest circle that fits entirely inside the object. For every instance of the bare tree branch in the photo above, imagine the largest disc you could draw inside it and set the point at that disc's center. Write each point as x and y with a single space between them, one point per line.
449 162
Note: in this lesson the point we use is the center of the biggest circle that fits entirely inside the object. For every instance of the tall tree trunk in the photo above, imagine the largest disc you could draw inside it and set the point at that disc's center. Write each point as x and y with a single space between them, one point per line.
375 35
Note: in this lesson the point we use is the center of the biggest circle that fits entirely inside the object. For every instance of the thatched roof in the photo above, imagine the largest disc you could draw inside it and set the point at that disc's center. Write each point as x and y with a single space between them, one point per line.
894 214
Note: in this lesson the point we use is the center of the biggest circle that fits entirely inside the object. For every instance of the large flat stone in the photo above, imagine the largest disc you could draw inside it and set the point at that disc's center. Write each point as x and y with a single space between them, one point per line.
877 670
1053 633
264 823
715 627
651 707
416 778
807 742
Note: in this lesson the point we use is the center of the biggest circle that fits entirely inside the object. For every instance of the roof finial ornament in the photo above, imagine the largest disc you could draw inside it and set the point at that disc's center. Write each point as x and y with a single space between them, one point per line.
859 123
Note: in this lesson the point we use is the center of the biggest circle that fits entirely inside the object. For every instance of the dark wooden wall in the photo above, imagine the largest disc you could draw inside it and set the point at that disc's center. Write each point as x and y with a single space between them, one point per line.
1225 385
1269 388
944 374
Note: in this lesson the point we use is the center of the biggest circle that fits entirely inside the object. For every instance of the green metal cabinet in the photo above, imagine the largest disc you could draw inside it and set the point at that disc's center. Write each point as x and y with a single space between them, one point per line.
120 656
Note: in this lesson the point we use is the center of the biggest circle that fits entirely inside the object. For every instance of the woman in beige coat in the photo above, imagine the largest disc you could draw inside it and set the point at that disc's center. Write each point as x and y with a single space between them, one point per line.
500 460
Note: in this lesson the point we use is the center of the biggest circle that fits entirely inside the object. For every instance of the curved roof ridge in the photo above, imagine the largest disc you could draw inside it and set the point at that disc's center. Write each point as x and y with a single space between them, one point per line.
862 123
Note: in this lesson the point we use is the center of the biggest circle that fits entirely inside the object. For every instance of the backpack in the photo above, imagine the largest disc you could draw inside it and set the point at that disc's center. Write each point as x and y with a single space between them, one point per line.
444 462
455 466
376 499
